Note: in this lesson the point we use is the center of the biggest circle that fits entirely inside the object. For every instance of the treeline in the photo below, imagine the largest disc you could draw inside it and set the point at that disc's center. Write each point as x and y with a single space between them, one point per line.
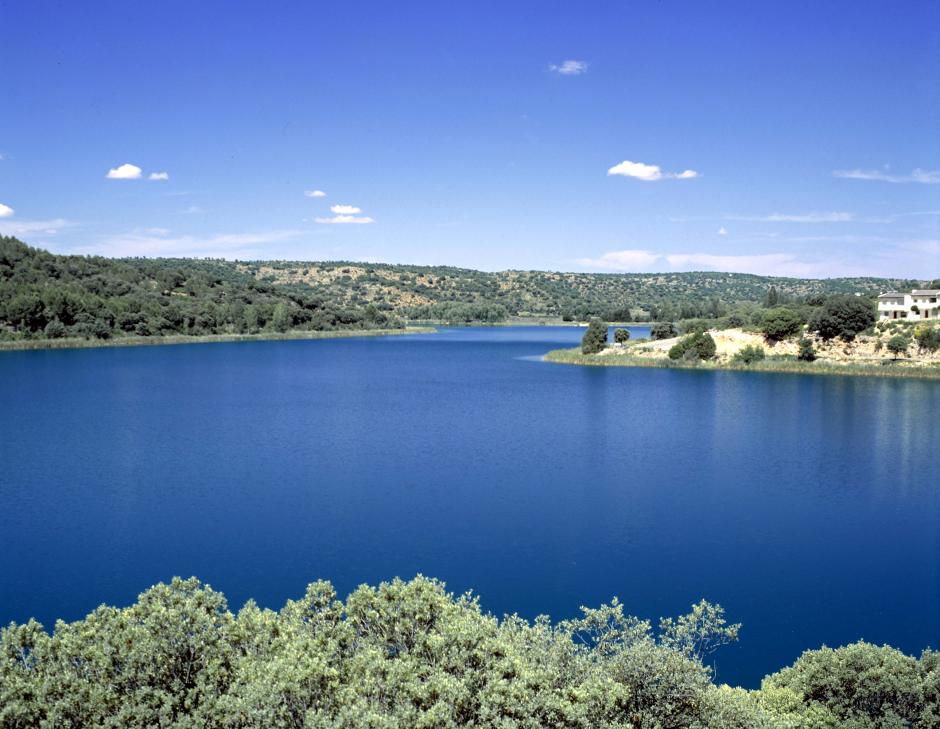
49 296
409 654
43 295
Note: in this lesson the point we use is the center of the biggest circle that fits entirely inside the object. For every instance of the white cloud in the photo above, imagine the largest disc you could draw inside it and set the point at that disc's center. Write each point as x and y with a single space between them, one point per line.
722 230
628 260
769 264
569 68
6 211
159 176
21 228
345 209
926 177
314 193
821 217
904 258
192 210
126 171
344 220
157 242
648 173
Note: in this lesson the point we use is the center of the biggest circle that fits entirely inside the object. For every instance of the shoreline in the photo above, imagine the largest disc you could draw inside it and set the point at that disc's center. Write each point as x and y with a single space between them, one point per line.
893 369
26 345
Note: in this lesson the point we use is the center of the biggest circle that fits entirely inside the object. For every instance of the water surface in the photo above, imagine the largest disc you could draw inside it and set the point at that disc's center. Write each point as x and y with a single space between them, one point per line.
808 506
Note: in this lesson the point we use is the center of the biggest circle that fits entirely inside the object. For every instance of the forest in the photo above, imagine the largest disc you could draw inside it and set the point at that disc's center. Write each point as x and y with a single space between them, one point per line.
48 296
411 654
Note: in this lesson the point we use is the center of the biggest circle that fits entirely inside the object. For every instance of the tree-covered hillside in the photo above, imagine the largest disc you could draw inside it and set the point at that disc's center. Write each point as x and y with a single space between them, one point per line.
431 291
43 295
49 296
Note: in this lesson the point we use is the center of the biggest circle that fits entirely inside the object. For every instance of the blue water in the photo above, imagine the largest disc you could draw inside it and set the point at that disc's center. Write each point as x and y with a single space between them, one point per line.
809 507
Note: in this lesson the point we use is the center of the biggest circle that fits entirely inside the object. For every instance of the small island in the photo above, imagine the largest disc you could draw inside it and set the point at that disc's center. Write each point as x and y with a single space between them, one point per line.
840 334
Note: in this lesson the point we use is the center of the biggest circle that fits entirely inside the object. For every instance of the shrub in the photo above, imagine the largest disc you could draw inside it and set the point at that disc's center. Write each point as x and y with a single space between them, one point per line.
54 329
749 354
806 353
780 323
694 326
898 345
663 330
694 347
843 316
862 685
928 339
621 336
594 338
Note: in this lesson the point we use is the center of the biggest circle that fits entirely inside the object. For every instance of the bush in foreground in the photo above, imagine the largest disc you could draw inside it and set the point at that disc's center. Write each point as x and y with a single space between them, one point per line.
410 654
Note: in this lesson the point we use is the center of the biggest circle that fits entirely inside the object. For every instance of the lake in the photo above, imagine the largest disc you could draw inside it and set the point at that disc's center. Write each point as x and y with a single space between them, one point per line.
809 507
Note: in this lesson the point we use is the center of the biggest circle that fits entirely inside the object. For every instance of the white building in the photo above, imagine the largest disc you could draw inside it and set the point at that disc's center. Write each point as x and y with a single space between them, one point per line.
919 304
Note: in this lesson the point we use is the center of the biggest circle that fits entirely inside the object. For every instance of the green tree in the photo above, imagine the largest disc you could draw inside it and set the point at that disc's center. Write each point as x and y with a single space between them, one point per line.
780 323
281 320
806 352
663 330
694 347
594 338
898 345
928 338
749 354
843 316
621 336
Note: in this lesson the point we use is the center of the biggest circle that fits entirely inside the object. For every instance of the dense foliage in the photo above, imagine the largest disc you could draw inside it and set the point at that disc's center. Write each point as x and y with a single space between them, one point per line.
48 296
697 346
749 354
927 338
781 323
409 654
595 337
621 336
898 345
843 316
806 351
663 330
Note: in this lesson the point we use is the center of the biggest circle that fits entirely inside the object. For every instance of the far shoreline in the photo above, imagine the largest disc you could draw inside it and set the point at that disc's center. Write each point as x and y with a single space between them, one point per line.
25 345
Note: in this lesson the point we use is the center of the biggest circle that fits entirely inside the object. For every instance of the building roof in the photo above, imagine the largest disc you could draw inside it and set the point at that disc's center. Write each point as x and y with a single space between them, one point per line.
925 292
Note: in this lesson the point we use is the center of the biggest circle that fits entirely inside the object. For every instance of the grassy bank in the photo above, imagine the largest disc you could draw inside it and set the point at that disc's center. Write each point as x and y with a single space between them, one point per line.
134 341
890 368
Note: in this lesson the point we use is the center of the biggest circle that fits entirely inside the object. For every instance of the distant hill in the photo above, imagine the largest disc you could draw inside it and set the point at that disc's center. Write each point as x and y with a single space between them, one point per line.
420 291
43 294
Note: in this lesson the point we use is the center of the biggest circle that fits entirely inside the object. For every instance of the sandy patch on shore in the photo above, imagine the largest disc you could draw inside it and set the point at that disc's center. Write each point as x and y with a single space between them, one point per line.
730 341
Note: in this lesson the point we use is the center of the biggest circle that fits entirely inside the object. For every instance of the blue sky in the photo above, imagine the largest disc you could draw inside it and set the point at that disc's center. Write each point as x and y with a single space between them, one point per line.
793 138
